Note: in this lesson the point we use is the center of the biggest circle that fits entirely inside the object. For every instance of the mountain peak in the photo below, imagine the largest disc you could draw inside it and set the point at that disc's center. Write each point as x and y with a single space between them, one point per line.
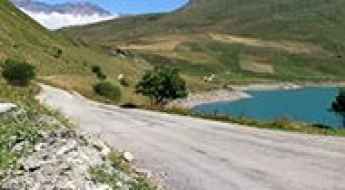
75 8
55 16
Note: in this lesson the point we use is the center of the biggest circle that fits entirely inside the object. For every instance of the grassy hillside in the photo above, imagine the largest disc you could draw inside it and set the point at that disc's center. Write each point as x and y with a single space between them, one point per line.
57 59
237 40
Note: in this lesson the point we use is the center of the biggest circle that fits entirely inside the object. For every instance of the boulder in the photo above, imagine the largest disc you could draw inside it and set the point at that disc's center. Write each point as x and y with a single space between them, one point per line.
6 107
127 156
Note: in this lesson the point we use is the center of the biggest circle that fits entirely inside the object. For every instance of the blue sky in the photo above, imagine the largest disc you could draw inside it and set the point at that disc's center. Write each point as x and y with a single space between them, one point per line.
132 6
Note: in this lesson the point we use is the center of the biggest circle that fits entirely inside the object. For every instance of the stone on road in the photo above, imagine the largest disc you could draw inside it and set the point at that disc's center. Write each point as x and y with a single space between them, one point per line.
195 154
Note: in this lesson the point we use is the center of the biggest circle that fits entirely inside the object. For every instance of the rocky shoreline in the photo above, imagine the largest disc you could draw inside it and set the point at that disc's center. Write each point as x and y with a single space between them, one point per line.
237 92
213 96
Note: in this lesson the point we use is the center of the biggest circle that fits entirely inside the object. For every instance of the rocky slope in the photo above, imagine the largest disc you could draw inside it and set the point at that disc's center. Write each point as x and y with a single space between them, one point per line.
61 159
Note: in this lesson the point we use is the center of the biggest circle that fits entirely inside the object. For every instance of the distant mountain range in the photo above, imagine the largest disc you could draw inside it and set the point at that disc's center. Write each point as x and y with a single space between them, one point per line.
55 16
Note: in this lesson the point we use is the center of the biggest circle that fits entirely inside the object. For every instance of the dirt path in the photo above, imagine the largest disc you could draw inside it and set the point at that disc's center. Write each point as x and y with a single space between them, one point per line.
291 47
195 154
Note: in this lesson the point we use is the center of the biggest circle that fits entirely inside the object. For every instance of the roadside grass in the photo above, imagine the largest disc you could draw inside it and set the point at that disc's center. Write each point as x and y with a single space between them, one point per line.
24 127
282 124
118 162
84 85
22 124
113 179
12 131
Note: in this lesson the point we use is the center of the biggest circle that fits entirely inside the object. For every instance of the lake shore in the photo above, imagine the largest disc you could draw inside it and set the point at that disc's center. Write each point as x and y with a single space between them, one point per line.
208 97
238 92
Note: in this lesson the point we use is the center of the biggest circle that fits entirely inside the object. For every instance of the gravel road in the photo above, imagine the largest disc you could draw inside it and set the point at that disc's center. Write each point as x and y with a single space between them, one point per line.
196 154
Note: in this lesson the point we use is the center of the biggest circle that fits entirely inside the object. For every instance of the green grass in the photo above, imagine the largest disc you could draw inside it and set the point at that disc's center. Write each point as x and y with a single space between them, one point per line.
282 124
23 127
313 23
102 175
23 39
20 128
309 20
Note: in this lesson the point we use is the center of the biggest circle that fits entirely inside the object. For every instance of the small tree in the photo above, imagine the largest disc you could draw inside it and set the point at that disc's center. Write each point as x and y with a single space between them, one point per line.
162 85
338 105
18 73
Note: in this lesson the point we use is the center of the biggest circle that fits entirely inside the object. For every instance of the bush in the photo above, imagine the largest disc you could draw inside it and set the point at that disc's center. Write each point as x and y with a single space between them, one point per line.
98 71
338 105
108 90
18 73
162 85
57 52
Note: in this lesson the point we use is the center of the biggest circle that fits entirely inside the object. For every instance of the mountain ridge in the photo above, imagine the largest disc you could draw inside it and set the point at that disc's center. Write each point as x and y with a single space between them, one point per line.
55 16
75 8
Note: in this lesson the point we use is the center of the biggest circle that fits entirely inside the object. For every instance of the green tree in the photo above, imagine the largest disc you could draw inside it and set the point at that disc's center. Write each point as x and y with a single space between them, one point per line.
18 73
162 85
338 105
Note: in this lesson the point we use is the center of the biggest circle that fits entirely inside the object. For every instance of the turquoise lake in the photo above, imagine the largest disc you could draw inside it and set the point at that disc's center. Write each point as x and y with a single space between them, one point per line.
310 105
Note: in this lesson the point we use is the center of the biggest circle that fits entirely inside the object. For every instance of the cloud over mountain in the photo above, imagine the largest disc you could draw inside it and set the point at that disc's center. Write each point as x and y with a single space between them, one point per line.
61 15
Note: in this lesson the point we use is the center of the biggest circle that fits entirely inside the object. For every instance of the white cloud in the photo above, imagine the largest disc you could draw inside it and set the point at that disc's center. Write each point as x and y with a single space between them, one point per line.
57 20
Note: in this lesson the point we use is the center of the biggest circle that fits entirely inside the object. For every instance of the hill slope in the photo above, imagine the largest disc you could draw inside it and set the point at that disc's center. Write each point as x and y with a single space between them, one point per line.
57 59
237 40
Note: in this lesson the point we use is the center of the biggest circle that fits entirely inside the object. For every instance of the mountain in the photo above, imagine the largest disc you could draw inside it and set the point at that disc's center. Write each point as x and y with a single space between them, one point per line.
236 40
77 8
54 16
58 60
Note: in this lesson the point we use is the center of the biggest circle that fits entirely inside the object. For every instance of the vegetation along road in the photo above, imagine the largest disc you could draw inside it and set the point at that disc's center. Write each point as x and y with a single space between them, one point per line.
196 154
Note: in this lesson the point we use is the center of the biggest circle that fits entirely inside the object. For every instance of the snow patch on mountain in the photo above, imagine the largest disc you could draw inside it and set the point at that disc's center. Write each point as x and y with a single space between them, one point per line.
56 16
57 20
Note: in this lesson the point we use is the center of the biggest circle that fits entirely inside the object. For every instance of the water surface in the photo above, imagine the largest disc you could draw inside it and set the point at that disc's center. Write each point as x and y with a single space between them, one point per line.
309 105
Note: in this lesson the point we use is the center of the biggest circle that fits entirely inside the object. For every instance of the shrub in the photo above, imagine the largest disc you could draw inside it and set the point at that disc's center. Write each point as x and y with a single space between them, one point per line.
162 85
18 73
338 105
108 90
124 82
98 71
57 52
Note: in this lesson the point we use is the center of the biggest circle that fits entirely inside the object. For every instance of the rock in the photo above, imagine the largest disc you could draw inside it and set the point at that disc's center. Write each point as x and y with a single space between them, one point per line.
39 146
120 77
62 160
144 172
48 120
19 147
31 164
127 156
210 78
101 146
119 184
67 148
6 107
102 187
120 53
